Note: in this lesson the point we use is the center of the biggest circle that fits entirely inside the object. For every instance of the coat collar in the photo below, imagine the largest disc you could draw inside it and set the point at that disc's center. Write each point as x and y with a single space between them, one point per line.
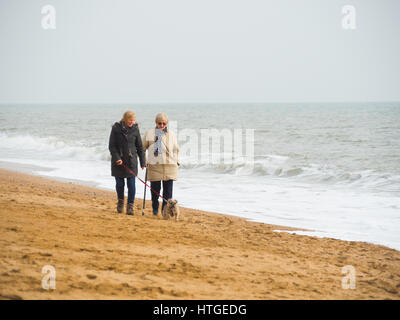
121 126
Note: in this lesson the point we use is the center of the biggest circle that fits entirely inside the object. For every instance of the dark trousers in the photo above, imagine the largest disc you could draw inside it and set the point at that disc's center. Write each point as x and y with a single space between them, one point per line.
120 186
167 193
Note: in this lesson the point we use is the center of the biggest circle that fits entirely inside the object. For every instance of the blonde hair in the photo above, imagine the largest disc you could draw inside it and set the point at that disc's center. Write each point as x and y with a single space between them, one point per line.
161 117
128 115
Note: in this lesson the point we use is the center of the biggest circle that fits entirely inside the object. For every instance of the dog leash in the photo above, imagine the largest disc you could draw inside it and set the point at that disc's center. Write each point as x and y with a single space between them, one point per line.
130 171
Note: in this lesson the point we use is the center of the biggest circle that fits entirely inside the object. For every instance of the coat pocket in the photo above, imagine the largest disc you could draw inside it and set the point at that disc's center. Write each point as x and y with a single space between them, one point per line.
133 162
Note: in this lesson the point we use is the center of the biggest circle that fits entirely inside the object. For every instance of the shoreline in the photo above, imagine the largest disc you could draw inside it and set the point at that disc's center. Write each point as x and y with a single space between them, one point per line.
29 170
99 254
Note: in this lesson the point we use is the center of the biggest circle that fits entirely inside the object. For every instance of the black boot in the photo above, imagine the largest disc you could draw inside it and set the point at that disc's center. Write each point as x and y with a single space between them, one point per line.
155 210
120 205
129 209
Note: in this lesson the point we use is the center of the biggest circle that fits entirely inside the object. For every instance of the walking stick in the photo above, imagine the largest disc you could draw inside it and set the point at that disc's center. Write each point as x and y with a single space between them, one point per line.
144 196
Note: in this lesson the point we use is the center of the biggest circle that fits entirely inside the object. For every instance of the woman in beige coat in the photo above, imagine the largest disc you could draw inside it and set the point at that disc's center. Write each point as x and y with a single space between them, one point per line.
162 159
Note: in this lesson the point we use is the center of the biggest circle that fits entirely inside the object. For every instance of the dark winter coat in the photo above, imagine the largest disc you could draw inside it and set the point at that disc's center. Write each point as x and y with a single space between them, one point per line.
125 144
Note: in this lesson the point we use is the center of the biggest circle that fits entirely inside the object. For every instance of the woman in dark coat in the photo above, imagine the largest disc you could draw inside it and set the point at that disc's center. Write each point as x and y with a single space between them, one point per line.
125 146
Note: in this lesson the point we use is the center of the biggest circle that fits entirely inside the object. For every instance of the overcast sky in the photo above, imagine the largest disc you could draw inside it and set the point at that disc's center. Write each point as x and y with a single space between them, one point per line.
109 51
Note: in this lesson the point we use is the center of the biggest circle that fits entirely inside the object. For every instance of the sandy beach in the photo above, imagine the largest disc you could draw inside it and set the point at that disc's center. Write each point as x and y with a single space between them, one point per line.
99 254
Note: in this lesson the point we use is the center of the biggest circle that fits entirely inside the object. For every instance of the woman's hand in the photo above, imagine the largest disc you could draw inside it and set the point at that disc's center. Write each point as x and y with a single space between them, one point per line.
118 162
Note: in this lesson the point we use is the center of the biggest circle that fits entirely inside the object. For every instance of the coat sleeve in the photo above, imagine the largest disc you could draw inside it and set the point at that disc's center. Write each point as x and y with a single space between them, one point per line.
145 145
139 149
113 147
176 150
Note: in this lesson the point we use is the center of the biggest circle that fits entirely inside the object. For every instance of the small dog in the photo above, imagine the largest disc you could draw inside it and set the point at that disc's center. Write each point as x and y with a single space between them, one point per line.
171 209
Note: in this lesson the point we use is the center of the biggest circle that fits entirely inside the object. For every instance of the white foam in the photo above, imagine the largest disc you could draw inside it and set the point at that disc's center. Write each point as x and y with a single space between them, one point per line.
27 146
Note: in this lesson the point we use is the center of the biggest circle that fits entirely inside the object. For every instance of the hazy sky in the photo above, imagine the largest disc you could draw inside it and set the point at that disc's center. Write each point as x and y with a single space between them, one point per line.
199 50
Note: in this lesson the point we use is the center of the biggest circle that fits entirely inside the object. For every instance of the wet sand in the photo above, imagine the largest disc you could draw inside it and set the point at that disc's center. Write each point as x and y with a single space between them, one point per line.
99 254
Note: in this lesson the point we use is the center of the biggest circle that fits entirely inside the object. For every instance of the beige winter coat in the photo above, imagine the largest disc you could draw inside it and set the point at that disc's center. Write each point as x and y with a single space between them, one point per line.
164 166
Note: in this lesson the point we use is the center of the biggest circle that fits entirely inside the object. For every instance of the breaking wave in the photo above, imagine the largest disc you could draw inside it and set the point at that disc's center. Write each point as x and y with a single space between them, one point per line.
25 146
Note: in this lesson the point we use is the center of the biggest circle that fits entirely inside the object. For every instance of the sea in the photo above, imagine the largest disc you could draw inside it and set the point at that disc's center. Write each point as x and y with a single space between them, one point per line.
332 169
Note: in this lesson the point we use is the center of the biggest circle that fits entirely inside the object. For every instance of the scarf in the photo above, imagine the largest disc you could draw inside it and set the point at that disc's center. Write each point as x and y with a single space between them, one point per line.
157 145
